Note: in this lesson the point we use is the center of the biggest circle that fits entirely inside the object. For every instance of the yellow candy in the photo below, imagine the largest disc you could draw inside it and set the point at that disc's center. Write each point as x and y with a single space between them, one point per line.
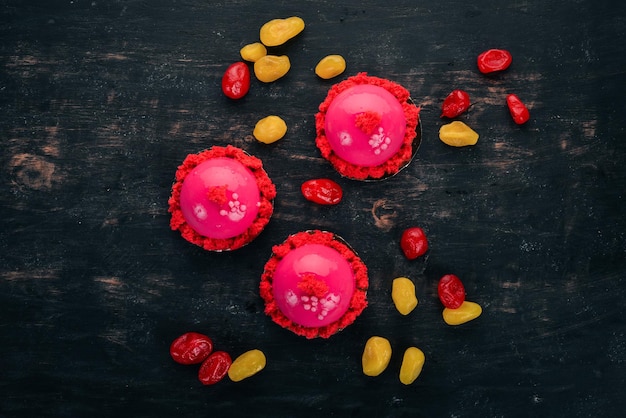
270 129
278 31
253 52
270 68
464 313
412 364
376 356
330 66
403 295
246 365
457 134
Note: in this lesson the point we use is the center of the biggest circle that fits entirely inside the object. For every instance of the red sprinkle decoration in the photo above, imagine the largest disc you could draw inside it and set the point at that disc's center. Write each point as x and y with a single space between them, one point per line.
494 60
367 121
217 194
313 286
322 191
457 102
413 243
519 111
214 368
236 80
451 291
191 348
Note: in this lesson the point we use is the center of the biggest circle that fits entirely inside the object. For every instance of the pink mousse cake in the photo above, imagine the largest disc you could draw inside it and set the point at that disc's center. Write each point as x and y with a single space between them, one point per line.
314 284
366 127
222 198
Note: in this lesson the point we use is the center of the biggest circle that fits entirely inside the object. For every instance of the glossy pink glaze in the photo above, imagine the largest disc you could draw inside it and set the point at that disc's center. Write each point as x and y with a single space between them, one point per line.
350 142
314 262
227 213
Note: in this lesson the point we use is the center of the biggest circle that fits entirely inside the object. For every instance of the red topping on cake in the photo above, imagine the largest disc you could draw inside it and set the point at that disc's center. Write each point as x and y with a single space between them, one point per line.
312 286
217 194
367 121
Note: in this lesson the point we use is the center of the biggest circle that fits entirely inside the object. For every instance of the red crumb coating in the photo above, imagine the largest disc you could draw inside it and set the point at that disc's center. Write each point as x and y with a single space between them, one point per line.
267 194
357 303
311 285
390 166
217 194
367 122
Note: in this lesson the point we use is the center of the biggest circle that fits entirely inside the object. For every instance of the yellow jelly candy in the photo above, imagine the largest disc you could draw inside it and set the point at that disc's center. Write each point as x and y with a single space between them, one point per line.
412 364
330 66
464 313
457 134
403 295
270 68
278 31
270 129
253 52
376 356
246 365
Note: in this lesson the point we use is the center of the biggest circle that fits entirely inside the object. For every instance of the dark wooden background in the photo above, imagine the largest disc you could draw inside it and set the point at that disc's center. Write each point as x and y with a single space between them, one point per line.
101 100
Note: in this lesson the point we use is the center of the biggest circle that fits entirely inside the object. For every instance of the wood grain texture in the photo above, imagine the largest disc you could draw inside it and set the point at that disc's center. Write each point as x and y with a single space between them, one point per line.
101 101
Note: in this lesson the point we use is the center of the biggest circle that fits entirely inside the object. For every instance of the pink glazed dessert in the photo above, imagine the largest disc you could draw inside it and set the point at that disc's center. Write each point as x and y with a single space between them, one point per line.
222 198
314 284
366 127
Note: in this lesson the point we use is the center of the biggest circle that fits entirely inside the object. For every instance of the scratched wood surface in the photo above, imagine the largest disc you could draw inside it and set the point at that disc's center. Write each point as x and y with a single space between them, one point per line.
101 100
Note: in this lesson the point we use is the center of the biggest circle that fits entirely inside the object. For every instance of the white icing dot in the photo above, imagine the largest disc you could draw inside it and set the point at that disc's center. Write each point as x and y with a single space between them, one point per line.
200 211
314 299
242 207
313 309
345 138
235 196
304 298
306 306
379 141
291 298
320 317
223 212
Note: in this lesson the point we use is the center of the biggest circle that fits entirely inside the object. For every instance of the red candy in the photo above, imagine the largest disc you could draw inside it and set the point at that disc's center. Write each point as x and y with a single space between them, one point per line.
413 243
236 80
191 348
457 102
494 60
214 368
322 191
451 291
519 111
